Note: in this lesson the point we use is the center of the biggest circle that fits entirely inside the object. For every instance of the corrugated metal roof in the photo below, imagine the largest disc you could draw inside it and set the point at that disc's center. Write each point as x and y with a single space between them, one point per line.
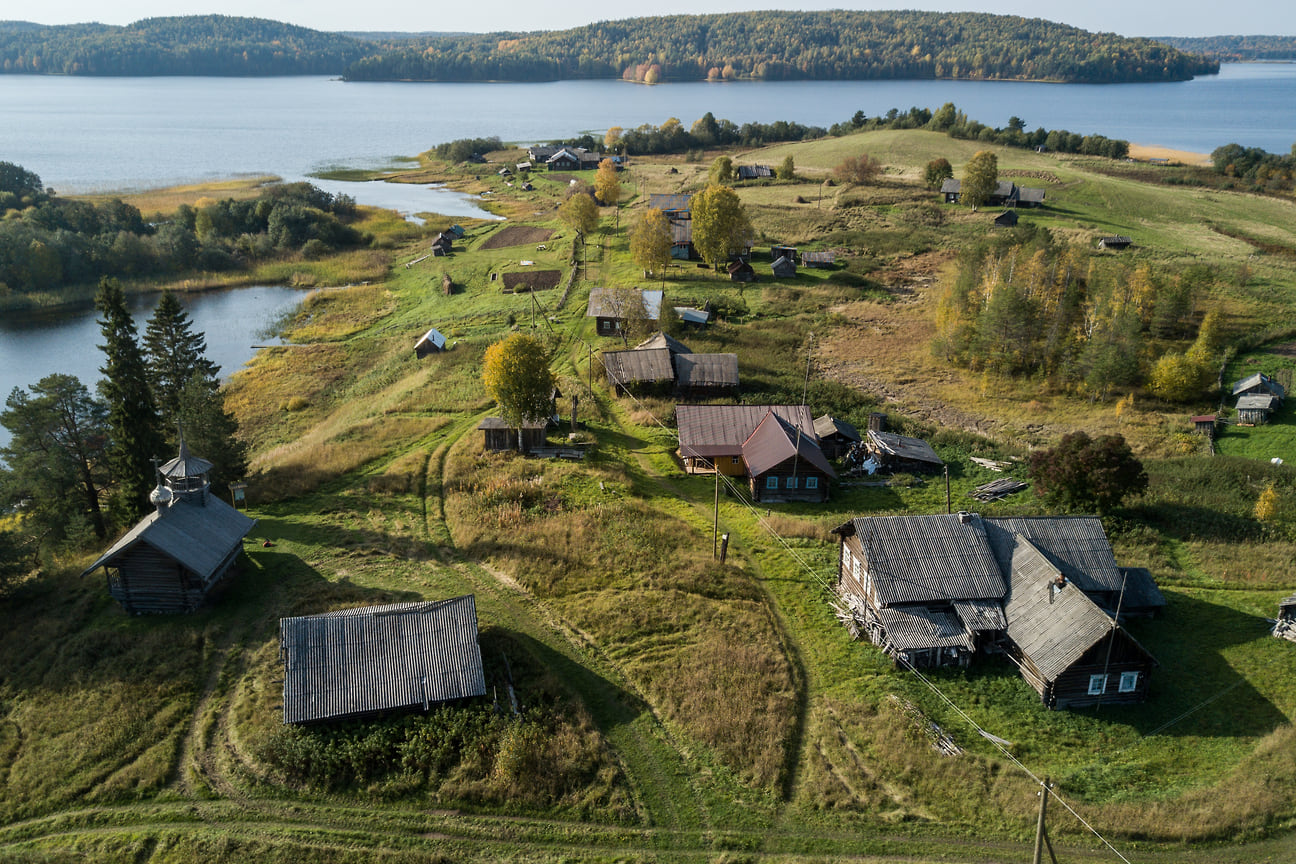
669 203
661 340
706 370
1262 401
689 315
377 658
720 430
1076 545
915 628
903 447
1259 379
609 303
827 426
639 365
432 337
978 615
198 536
923 559
1053 627
774 441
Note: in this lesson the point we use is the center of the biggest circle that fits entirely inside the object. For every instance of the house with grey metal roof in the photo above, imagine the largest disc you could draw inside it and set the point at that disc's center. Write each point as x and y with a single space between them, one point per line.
611 308
1072 652
936 590
358 662
1253 409
674 206
901 453
638 366
175 558
784 463
705 375
1259 383
662 359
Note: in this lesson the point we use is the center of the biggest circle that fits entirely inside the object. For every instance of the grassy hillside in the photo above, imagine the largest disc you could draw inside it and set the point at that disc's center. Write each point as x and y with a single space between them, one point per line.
673 708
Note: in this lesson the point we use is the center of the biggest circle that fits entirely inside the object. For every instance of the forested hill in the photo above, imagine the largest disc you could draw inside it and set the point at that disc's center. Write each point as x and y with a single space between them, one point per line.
188 45
837 45
1237 47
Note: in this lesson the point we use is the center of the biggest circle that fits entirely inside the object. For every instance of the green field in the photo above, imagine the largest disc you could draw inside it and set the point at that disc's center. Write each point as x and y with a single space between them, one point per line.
677 709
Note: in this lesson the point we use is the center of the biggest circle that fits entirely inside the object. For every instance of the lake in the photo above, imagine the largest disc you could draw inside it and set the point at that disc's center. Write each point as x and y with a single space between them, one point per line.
33 345
96 134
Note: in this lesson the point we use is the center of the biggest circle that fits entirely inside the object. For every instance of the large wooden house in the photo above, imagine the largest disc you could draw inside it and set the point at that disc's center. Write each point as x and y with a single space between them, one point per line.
609 308
784 463
359 662
176 558
937 590
711 436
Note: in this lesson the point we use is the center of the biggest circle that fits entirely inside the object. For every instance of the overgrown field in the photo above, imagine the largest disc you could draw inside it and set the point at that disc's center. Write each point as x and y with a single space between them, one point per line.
671 707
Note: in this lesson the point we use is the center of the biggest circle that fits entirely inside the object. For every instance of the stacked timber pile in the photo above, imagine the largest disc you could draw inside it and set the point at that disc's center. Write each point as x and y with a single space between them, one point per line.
997 489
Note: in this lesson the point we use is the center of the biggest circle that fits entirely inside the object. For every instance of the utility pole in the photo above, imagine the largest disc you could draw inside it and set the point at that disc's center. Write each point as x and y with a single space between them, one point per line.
715 520
948 506
1041 833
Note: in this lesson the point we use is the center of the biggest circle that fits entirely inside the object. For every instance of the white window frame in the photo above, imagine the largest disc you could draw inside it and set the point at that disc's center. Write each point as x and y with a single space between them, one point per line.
734 460
1129 682
1097 685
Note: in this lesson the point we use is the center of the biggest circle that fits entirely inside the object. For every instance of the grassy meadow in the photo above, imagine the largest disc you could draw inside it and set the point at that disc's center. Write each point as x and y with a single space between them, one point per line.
672 708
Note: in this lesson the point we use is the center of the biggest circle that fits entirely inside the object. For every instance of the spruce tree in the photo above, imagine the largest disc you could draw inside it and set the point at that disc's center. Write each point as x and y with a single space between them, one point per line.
134 438
175 354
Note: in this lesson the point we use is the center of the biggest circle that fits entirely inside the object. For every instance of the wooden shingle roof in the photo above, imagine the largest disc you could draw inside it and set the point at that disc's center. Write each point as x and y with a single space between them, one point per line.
924 559
378 658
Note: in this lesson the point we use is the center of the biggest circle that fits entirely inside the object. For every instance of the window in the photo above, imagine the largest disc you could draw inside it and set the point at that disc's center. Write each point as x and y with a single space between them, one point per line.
771 482
792 483
734 460
812 482
1097 685
1129 682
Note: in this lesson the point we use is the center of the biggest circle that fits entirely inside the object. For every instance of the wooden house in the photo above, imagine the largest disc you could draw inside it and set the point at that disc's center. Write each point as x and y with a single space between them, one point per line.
177 557
674 206
894 453
607 308
784 463
498 436
788 252
701 376
1285 625
753 172
1116 242
565 159
638 367
1005 194
784 268
1259 384
429 343
711 436
682 248
950 189
1072 652
1006 219
1079 548
819 260
522 167
1253 409
360 662
540 153
927 590
836 437
741 271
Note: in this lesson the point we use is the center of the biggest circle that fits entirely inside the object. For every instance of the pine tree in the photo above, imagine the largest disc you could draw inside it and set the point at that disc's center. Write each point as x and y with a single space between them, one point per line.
133 427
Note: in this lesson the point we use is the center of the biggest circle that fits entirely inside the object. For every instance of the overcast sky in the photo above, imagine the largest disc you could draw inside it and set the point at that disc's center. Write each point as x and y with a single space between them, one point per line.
1138 18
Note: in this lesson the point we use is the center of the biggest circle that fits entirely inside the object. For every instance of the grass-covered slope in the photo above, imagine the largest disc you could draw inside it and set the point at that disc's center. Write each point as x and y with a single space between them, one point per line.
674 708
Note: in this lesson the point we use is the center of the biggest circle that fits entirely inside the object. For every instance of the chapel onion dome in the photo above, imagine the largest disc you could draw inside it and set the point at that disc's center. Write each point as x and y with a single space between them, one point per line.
160 496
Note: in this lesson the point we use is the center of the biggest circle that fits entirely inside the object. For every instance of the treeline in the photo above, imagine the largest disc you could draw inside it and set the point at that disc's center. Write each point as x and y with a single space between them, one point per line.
772 46
188 45
47 242
953 122
1027 305
1236 48
1261 170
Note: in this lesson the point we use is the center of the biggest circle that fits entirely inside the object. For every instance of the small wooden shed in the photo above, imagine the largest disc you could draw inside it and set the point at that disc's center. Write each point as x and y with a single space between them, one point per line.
429 343
358 662
1006 219
741 271
784 268
901 453
1253 409
498 436
1204 424
836 437
1117 242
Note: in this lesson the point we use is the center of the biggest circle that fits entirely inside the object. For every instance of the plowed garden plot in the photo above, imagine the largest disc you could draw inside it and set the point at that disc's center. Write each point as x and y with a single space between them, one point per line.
531 280
517 235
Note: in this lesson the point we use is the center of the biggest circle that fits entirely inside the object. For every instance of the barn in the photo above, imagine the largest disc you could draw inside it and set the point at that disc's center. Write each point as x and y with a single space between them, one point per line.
358 662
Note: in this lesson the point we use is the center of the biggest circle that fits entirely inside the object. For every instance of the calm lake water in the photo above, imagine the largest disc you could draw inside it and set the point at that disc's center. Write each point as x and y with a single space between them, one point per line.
35 345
